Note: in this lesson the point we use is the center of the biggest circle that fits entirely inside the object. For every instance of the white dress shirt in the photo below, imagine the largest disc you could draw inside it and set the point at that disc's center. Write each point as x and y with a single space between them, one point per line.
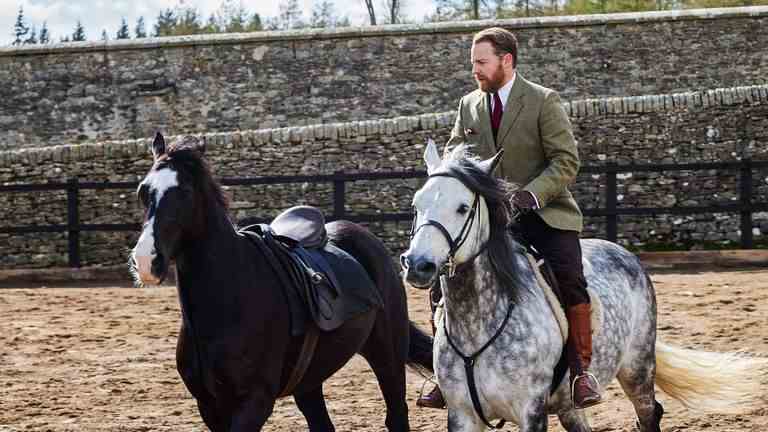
504 93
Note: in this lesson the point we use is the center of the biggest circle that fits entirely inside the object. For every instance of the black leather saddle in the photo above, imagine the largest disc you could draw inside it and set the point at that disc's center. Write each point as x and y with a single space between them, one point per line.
304 225
321 282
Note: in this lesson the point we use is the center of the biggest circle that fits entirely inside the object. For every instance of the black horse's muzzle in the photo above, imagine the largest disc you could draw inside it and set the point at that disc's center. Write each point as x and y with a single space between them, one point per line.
160 267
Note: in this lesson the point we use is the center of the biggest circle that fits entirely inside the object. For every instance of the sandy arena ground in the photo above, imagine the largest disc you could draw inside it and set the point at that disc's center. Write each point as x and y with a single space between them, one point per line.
102 359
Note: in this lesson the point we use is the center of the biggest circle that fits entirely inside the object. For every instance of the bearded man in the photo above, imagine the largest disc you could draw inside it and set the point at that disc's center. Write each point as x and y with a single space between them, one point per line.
528 121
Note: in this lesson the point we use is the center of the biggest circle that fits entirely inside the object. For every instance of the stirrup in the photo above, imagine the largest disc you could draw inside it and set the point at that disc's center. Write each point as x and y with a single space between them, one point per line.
436 386
573 389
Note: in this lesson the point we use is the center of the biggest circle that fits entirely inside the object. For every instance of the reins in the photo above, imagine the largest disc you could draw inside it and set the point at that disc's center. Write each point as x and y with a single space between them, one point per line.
469 366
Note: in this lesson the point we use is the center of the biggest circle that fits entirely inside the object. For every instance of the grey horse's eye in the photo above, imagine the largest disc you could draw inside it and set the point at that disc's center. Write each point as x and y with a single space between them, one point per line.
463 209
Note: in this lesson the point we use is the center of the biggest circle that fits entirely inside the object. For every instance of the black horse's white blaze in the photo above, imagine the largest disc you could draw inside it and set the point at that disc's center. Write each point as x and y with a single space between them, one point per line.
155 186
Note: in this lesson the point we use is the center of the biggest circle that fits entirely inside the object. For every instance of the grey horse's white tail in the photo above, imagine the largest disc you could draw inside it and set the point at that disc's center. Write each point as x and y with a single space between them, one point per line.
710 381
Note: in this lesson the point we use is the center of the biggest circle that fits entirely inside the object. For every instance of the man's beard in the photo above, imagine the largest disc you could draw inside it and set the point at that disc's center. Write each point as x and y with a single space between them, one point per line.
493 83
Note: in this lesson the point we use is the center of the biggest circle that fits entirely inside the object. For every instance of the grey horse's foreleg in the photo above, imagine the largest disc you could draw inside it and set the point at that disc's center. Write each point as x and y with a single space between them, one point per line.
574 421
534 418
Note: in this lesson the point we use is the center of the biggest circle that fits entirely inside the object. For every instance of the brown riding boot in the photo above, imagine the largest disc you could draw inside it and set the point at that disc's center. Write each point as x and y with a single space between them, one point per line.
585 390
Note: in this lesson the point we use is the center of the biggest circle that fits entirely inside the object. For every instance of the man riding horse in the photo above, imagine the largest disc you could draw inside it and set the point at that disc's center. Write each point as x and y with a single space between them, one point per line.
528 122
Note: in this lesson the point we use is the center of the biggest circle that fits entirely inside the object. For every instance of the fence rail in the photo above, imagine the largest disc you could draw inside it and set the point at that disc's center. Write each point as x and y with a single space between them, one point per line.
745 207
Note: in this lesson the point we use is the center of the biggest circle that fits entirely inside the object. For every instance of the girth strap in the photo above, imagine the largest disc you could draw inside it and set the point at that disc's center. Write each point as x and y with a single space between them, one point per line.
302 363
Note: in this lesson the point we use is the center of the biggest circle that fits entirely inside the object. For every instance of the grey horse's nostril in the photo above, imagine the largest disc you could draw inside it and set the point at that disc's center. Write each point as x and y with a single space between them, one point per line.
426 267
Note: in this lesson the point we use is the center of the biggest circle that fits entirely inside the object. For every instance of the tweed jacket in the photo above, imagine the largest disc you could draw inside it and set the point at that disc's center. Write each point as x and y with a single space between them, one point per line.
540 153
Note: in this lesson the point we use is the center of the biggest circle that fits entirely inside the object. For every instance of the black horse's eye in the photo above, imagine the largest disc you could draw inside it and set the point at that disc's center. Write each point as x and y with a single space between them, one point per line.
463 209
143 196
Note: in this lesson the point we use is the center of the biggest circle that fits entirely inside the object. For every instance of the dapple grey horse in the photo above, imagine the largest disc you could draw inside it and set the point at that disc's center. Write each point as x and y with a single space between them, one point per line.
495 308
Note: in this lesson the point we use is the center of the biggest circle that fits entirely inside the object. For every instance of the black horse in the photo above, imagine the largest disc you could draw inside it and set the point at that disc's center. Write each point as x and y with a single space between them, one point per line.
235 351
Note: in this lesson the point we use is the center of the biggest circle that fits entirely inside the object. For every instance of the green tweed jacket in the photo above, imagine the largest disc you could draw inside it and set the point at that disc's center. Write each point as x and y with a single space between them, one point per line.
539 148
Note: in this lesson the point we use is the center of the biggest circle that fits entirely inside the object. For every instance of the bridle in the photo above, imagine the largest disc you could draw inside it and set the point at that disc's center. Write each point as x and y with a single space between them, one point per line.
449 268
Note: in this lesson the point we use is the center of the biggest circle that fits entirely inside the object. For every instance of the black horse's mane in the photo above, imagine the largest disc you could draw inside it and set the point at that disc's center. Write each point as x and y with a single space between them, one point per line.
191 165
501 246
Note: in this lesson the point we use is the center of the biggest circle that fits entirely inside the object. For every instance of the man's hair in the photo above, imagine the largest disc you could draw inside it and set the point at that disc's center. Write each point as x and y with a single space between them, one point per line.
502 40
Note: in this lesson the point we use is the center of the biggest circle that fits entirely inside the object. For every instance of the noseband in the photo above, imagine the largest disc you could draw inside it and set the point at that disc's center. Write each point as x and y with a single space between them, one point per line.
450 267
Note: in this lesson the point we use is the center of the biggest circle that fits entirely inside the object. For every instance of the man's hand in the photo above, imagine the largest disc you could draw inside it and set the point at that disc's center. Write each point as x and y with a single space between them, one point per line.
523 201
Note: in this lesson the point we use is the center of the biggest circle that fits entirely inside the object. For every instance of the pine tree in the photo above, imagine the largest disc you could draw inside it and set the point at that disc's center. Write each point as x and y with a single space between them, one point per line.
187 21
20 29
45 36
139 30
122 32
166 22
232 16
32 39
322 15
212 26
79 34
290 16
255 23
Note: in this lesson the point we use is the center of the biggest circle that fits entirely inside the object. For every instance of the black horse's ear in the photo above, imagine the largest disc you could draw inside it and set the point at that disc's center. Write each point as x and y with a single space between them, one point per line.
158 145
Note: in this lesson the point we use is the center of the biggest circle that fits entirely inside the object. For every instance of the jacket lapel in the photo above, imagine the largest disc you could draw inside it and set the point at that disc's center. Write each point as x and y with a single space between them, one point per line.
513 108
486 133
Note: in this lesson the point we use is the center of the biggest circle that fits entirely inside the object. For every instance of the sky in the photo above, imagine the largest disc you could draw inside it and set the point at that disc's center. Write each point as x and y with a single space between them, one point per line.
97 15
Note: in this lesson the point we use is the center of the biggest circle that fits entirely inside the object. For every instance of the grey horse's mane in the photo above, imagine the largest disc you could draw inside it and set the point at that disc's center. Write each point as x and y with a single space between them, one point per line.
460 164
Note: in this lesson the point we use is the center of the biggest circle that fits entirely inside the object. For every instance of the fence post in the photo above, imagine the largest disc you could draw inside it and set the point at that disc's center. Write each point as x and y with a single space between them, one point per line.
73 222
339 192
745 190
611 218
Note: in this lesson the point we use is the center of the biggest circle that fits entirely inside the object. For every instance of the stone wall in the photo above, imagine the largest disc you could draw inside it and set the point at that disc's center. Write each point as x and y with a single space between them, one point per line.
716 125
95 91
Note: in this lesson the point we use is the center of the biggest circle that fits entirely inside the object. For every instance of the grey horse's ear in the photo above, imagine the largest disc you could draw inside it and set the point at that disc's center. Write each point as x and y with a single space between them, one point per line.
489 165
158 145
431 157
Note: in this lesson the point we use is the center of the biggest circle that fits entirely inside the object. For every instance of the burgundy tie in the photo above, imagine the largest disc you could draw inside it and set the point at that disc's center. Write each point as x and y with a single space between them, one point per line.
498 110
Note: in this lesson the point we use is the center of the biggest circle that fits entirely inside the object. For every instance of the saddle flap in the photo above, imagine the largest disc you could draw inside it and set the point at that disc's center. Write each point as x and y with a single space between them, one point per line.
324 285
303 224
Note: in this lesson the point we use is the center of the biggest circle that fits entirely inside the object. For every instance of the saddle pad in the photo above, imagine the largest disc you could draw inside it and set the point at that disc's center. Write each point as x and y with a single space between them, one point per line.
557 307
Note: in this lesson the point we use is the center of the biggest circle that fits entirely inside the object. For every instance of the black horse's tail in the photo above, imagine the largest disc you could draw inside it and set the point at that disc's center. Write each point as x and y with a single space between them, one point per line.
420 350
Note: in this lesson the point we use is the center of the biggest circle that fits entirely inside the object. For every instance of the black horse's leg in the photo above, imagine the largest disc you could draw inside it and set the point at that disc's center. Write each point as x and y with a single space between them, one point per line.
251 415
213 419
312 405
387 356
